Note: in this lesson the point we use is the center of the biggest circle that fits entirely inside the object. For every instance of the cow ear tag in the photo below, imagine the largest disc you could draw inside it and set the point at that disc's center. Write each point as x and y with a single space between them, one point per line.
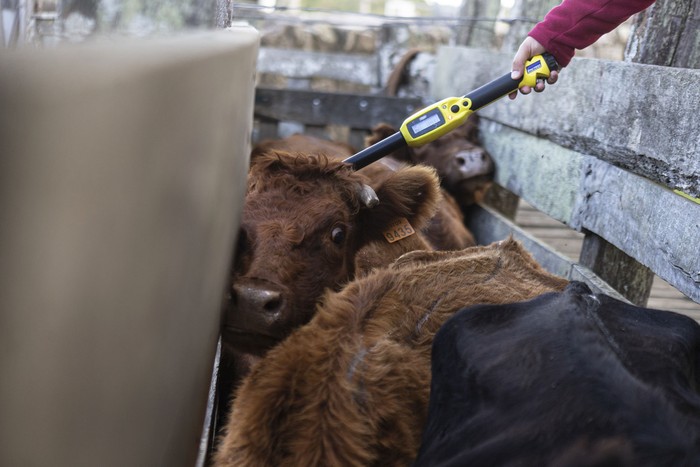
398 230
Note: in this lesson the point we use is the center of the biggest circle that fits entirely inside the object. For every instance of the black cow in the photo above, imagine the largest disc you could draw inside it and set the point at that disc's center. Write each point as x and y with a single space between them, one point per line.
566 379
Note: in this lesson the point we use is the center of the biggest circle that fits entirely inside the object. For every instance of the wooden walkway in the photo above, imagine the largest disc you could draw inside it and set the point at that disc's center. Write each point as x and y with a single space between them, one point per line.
568 242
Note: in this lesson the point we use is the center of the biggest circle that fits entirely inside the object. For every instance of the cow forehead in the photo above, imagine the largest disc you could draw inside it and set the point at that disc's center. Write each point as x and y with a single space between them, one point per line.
322 198
303 212
308 184
285 170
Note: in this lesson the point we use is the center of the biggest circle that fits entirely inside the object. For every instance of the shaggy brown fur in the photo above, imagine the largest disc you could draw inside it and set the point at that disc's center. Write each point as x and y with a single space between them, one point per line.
351 387
446 230
303 224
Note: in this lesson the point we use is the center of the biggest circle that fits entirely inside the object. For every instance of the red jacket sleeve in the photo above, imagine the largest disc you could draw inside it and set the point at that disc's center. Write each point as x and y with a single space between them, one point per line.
576 24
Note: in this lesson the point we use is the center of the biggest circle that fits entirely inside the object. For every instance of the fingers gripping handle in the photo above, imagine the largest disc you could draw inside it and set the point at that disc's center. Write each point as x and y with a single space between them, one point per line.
538 67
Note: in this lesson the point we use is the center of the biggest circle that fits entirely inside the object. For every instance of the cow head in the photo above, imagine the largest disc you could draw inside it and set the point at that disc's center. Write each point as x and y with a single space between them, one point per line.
464 167
305 217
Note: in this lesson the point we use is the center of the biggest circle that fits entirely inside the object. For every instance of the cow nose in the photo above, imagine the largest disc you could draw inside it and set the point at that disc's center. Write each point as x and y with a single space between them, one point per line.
262 300
473 163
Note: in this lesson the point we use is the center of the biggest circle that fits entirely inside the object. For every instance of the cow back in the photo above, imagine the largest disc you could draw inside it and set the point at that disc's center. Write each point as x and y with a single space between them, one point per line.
351 387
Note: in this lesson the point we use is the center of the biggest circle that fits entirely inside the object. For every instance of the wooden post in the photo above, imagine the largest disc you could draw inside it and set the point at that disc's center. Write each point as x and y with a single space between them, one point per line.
622 272
665 34
668 34
504 201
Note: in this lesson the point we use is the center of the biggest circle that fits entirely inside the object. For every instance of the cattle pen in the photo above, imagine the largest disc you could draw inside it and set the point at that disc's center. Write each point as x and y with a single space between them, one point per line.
599 179
565 170
580 193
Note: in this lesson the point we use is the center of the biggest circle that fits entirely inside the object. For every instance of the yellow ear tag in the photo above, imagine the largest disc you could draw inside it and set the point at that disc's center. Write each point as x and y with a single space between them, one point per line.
398 230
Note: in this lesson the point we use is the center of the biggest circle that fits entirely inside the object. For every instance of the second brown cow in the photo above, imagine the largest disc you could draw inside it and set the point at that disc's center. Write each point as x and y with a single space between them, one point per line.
351 387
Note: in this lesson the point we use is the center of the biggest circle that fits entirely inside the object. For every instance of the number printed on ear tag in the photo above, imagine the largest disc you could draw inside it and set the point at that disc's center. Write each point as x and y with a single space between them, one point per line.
398 230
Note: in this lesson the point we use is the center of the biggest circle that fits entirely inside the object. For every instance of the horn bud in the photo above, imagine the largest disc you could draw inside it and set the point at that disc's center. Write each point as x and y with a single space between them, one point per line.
368 196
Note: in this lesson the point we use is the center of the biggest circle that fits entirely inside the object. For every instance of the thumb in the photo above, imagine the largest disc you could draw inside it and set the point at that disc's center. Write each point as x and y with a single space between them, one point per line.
518 64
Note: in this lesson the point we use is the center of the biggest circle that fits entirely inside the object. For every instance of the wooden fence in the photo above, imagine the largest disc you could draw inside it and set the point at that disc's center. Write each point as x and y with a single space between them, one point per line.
602 152
336 115
611 151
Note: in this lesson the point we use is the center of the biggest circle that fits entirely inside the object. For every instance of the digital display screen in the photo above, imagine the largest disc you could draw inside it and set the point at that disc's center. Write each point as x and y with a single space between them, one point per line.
428 121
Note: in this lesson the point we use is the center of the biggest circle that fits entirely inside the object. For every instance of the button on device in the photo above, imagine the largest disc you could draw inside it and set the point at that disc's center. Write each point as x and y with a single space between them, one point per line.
454 108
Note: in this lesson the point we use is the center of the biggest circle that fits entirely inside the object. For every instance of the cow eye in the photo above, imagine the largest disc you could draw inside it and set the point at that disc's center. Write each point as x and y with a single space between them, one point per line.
338 235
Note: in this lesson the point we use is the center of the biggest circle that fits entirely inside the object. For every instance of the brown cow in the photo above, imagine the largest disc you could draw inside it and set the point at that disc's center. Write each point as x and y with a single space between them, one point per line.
304 220
465 168
446 230
351 387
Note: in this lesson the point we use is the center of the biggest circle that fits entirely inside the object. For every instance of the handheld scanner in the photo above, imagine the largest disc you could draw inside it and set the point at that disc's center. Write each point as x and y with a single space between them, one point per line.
433 121
430 123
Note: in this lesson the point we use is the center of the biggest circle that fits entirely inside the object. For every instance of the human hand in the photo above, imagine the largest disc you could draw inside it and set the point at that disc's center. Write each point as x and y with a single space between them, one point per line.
528 49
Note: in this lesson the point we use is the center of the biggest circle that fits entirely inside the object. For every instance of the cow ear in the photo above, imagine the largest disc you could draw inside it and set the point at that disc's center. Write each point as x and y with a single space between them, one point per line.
411 193
379 132
383 131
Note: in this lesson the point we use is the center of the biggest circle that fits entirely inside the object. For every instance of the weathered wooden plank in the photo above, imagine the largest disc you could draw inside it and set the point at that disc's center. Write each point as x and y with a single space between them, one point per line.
321 108
639 117
663 295
530 220
293 63
265 129
587 193
549 232
541 172
502 200
645 220
489 226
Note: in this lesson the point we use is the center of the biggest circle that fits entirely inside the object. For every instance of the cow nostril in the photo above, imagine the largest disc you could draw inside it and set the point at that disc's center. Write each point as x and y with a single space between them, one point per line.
273 304
461 161
483 157
252 299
